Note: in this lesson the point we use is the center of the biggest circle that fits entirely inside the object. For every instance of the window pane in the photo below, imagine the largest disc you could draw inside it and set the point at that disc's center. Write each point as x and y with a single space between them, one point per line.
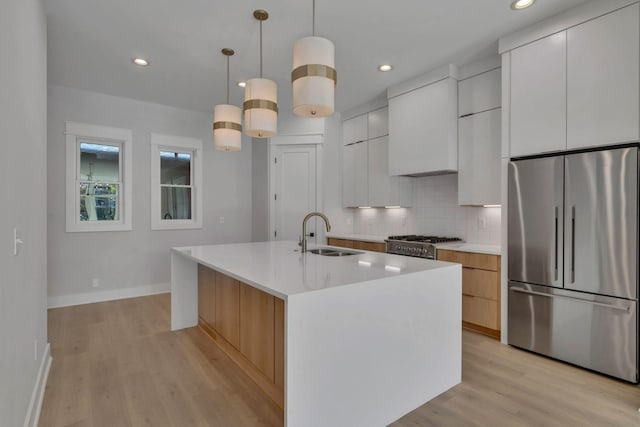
99 162
99 202
175 168
175 203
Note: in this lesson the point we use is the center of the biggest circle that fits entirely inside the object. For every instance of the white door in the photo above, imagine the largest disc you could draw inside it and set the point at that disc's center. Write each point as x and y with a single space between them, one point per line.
293 190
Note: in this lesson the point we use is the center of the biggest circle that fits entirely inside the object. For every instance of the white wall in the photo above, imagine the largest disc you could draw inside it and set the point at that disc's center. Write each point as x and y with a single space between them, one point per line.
435 211
128 260
23 174
260 190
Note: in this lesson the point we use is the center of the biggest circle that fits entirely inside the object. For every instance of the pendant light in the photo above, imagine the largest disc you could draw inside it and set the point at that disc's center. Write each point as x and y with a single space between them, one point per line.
260 99
227 126
313 76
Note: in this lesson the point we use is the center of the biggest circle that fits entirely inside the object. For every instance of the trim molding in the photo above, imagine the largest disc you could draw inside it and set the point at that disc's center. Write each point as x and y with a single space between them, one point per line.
110 295
35 404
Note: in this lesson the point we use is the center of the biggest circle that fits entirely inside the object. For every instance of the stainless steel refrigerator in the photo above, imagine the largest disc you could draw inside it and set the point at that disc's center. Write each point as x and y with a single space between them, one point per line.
573 259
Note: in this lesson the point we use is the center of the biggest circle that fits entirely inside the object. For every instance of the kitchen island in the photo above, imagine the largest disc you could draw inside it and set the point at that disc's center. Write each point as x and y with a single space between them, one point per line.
356 340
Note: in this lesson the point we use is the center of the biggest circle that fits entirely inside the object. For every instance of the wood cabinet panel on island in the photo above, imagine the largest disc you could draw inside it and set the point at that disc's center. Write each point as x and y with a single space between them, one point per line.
248 327
257 311
227 301
207 295
480 290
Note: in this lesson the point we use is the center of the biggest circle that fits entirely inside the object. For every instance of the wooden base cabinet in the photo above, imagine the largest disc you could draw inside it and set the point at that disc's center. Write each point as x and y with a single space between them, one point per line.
357 244
248 325
480 290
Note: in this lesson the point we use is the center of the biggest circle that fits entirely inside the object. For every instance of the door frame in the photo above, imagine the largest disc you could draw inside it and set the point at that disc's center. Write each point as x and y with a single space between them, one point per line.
315 141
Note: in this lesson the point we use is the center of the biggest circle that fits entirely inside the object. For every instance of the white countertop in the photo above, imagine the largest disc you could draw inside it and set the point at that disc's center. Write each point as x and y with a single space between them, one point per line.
471 247
360 237
279 268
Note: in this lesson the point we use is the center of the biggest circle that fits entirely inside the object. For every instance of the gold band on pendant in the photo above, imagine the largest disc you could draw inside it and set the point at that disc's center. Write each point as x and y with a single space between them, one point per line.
260 103
313 70
227 125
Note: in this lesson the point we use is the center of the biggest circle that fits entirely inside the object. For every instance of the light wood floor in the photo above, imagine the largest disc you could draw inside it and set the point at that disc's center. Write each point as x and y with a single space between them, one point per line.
117 364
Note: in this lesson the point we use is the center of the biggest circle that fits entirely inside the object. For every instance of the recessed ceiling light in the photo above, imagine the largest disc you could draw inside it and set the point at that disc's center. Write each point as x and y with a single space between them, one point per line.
384 67
242 84
140 61
521 4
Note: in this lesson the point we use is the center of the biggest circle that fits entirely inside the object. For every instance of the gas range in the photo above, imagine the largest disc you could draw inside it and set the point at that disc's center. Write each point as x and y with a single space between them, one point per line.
417 246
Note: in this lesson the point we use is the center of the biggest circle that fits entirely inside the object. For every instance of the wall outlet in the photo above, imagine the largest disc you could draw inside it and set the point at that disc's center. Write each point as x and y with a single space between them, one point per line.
221 220
95 283
349 221
482 223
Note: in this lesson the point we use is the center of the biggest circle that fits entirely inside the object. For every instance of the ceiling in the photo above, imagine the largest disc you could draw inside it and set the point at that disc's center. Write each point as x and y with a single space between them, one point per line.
91 43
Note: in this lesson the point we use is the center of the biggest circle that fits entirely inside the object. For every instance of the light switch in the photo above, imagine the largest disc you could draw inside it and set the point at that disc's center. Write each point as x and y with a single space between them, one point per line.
17 241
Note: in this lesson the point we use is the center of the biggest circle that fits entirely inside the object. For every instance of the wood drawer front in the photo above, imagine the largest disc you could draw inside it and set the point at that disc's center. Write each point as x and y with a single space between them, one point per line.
332 241
369 246
480 283
470 260
480 311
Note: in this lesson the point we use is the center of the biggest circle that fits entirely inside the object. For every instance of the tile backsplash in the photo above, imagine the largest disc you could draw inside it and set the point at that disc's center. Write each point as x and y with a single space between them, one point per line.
435 211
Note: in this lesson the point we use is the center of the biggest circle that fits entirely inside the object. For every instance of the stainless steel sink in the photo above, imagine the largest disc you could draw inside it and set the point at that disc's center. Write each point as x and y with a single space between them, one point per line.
333 252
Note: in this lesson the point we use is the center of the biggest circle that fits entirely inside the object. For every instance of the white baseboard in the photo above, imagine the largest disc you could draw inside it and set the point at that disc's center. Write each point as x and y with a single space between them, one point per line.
35 404
91 297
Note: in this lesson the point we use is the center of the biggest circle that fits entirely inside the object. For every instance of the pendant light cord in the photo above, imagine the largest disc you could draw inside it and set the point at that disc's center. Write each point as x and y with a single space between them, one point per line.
260 49
227 80
314 19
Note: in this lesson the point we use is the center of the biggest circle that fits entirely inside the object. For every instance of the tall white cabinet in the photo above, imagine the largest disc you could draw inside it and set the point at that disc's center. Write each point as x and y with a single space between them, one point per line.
603 76
576 88
365 165
479 139
538 96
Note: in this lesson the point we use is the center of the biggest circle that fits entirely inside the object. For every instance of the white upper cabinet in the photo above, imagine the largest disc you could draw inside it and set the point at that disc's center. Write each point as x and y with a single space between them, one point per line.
423 129
479 158
348 176
355 178
378 123
385 190
361 174
603 80
479 93
538 96
355 130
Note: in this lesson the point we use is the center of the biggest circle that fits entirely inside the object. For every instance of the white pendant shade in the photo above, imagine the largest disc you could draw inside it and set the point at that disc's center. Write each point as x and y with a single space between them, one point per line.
227 128
261 108
313 77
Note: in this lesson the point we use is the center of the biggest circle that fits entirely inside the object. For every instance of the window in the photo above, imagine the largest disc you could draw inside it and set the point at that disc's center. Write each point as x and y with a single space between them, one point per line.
176 180
98 178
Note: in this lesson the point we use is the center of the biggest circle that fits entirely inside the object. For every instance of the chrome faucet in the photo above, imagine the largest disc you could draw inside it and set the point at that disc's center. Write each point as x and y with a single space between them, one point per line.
303 239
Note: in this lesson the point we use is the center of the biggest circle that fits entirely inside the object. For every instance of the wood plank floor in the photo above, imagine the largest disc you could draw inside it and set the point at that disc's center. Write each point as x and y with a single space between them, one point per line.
118 364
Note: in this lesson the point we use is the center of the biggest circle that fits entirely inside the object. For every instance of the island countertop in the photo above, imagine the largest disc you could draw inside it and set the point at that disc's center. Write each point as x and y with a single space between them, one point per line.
280 269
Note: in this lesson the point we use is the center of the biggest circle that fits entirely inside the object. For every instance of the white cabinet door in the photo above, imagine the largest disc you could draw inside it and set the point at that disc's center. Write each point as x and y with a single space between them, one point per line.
348 176
538 96
378 123
423 130
354 130
480 93
603 75
385 190
379 179
361 171
479 158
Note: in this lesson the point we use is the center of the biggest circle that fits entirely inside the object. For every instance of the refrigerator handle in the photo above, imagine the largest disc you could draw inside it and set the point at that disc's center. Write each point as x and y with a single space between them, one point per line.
556 244
599 304
573 244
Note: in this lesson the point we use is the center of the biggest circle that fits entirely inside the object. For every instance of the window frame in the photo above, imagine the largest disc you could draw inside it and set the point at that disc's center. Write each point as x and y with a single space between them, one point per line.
160 142
75 132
